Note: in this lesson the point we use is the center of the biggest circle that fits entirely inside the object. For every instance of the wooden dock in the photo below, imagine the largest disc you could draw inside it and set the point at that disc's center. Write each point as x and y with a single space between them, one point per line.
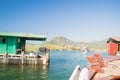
24 59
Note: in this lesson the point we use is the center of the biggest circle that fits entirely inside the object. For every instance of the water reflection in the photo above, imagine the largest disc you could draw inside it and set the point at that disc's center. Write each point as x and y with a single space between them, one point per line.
23 72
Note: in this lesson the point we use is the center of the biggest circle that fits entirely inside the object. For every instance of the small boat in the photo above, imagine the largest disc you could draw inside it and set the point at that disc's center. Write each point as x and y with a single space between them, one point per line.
100 68
110 72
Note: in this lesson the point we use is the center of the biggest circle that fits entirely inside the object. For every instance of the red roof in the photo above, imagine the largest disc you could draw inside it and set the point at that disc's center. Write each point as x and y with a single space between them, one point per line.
115 38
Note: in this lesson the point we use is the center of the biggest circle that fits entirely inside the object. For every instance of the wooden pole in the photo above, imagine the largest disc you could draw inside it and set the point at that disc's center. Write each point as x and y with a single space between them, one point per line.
22 57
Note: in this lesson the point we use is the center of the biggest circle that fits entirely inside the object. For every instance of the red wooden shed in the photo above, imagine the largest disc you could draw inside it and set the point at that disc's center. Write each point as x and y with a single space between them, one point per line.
113 45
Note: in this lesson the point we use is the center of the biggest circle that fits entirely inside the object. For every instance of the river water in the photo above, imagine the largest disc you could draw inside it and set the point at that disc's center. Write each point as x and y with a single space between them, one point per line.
62 64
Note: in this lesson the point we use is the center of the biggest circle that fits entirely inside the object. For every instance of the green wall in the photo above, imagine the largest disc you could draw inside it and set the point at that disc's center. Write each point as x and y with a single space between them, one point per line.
11 45
8 45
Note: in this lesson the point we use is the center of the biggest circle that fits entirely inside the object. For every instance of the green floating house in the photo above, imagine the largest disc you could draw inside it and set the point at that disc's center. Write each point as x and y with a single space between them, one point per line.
11 42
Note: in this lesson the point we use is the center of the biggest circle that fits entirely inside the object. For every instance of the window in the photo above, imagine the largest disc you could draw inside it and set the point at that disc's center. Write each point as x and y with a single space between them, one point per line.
2 40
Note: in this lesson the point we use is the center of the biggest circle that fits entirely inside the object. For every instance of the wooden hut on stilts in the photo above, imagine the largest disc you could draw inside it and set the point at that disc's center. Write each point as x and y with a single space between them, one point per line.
12 48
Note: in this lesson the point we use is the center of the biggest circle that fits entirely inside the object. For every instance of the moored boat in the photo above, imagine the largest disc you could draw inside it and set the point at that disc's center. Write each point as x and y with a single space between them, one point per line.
111 71
100 68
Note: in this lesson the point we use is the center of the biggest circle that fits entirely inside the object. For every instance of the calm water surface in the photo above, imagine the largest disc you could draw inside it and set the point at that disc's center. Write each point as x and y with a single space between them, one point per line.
62 64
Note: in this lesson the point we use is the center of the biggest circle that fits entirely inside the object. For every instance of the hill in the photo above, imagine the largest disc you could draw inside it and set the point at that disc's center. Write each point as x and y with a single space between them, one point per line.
62 43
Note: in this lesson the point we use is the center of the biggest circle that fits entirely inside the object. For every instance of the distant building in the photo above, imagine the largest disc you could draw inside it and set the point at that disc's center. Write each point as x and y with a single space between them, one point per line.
113 45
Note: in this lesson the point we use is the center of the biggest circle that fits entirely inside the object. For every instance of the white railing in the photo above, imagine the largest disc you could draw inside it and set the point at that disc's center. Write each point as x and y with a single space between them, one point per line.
76 73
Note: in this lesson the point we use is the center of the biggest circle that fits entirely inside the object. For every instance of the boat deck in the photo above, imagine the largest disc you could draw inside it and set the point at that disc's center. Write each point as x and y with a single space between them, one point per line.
111 71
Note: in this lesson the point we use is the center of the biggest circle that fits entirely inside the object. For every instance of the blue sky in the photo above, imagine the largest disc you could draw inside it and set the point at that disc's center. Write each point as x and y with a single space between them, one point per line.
78 20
